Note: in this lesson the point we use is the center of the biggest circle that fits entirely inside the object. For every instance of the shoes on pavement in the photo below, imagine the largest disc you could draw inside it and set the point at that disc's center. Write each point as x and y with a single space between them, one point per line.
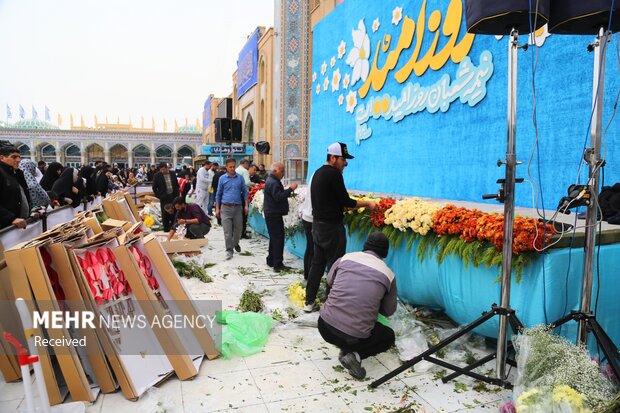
309 308
283 268
245 236
237 248
353 363
229 255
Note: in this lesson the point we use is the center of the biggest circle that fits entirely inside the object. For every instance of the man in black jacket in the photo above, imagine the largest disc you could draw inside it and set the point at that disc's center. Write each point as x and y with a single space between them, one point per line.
275 207
166 188
15 199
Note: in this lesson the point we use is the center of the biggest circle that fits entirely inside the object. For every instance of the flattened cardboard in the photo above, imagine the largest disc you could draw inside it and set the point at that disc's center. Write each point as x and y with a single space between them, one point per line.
184 246
115 223
177 291
133 207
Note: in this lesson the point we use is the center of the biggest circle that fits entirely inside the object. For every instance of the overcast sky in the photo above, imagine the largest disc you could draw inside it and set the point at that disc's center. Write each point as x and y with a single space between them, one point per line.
151 58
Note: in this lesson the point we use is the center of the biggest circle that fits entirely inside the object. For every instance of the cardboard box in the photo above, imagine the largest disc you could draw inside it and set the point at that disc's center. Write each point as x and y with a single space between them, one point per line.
9 321
47 298
181 347
54 382
133 207
136 373
115 223
184 246
177 291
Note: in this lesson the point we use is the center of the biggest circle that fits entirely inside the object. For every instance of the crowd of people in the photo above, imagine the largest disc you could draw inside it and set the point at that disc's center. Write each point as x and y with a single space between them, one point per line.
360 284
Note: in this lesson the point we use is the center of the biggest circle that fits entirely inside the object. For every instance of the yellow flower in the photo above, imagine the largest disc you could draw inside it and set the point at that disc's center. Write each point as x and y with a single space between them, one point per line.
297 294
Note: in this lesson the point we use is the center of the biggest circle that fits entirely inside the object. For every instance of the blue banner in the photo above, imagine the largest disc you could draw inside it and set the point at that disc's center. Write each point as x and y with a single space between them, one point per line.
206 114
247 65
422 105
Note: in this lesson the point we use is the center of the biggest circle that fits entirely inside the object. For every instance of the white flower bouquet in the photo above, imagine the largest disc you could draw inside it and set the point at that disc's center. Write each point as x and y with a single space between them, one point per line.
412 213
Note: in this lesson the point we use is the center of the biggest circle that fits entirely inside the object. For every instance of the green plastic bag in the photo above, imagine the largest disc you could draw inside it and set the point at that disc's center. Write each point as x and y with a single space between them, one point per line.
243 334
383 320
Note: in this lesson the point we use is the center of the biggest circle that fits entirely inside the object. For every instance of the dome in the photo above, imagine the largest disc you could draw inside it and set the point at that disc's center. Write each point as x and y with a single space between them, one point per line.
32 124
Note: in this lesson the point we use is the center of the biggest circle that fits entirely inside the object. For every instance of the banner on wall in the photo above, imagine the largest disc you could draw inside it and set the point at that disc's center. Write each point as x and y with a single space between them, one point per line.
414 95
206 114
247 65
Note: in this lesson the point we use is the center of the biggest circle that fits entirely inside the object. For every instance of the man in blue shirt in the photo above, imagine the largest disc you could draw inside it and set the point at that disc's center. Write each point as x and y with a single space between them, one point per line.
231 202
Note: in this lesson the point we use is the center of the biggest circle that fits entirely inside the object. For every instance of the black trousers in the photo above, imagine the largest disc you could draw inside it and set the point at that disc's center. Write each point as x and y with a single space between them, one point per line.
330 243
309 247
166 218
380 340
197 231
275 227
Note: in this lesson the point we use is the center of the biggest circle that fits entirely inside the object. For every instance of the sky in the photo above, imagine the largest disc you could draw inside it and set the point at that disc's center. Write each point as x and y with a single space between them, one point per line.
120 58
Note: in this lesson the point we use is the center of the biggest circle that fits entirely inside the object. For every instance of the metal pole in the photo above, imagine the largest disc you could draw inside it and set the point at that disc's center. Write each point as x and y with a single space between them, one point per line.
598 86
509 203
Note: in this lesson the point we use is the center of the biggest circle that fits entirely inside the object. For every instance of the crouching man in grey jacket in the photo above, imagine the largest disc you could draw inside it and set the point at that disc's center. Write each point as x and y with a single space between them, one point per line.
361 287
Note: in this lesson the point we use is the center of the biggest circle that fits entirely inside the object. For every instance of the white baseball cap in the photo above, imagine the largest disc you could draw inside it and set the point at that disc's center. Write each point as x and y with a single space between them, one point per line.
339 149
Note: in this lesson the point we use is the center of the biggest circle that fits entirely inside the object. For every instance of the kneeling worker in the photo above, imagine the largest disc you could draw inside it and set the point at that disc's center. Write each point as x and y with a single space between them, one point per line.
362 286
197 222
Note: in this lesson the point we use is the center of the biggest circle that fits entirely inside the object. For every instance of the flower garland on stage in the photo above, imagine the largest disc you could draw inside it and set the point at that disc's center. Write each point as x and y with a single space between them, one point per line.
475 236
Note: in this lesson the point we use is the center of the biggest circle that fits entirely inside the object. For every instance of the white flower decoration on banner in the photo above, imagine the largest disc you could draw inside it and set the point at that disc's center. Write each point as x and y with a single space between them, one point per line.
336 80
397 15
342 49
313 77
332 62
358 56
318 89
351 101
375 25
346 81
325 84
340 99
324 68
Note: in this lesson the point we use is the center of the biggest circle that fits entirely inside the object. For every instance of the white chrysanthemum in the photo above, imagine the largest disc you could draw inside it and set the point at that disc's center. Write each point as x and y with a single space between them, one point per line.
397 15
351 101
346 81
324 67
332 61
313 77
413 214
336 80
259 200
375 25
325 84
342 49
358 56
318 89
340 99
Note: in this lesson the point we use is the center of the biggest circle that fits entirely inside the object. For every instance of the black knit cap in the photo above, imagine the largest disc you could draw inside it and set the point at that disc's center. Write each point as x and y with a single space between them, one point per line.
378 243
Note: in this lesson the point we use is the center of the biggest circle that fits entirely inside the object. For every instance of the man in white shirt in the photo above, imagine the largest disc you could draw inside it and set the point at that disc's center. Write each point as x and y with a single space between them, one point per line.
242 170
204 177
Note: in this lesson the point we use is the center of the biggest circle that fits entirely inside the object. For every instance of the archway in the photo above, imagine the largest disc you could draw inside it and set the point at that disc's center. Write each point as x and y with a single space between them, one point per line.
94 153
24 150
118 155
48 152
141 155
163 154
71 156
248 132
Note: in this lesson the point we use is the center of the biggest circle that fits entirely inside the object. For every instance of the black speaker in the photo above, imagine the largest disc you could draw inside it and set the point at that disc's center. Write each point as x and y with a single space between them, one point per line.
583 16
499 17
235 130
222 130
262 147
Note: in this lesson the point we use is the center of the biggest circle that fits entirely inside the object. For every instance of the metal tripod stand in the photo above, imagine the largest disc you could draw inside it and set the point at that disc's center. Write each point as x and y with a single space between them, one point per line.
505 313
585 317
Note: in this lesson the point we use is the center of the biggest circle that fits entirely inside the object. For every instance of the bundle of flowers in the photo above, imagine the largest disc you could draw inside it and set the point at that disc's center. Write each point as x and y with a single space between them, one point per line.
412 213
254 190
362 220
554 375
258 199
